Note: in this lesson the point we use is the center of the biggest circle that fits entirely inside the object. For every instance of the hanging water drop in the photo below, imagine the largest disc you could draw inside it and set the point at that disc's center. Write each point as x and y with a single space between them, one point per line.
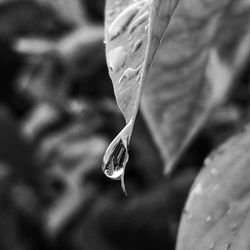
209 218
114 167
214 171
227 246
234 226
116 58
116 156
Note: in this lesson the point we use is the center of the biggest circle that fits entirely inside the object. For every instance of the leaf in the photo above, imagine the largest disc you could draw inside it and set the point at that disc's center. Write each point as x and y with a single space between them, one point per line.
83 155
133 31
216 215
69 149
70 10
190 76
59 61
28 18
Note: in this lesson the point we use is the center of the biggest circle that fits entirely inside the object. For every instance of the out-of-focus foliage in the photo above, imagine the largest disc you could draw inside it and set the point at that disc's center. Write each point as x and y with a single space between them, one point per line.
133 32
58 115
216 215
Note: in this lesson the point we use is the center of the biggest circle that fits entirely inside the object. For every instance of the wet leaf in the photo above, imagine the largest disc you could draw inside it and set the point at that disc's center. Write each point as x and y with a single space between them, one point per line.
216 215
190 74
133 30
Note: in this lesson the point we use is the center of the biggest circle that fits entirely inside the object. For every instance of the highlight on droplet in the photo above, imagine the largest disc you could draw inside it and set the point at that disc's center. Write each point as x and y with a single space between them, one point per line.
116 58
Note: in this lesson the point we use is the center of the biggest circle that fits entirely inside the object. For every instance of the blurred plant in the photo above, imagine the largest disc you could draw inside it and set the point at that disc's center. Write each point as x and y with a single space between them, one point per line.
185 57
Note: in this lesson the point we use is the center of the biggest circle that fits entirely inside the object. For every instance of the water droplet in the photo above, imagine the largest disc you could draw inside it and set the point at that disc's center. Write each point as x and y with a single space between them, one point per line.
212 246
234 227
116 156
114 167
209 218
214 171
120 23
138 21
129 74
116 58
198 189
137 45
227 246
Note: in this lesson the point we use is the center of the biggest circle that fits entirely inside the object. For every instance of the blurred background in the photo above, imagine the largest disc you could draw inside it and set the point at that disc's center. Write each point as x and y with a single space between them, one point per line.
58 115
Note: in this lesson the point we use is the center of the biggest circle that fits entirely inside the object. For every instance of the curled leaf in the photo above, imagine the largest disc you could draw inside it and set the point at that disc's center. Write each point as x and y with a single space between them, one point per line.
133 31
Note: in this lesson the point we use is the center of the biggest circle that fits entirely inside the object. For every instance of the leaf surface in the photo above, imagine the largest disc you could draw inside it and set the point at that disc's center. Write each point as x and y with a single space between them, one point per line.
133 31
216 215
188 77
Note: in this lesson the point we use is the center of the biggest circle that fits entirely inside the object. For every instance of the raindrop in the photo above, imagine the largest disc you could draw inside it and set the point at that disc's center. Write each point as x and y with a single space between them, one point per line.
212 246
129 74
137 45
116 58
198 189
121 22
114 166
137 22
116 156
209 218
234 226
227 246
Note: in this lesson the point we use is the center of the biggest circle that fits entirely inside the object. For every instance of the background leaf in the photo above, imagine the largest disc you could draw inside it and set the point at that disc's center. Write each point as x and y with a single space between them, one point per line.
216 215
190 75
